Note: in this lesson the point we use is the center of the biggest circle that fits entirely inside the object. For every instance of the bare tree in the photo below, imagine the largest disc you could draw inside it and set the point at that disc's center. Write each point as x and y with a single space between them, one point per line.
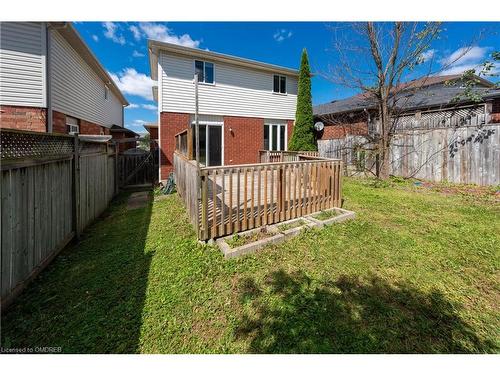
379 60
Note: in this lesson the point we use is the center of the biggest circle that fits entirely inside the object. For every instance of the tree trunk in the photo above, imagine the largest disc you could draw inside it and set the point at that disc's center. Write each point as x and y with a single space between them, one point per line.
384 141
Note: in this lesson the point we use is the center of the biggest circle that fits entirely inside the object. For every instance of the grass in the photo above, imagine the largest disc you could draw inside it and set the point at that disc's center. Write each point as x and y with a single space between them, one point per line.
416 272
325 215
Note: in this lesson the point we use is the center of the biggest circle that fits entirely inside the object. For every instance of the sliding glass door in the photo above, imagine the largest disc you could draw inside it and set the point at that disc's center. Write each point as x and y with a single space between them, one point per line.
275 137
210 144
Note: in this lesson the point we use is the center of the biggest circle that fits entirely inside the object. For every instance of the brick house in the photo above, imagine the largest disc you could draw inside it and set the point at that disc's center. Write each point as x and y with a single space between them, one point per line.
244 105
438 133
50 81
432 96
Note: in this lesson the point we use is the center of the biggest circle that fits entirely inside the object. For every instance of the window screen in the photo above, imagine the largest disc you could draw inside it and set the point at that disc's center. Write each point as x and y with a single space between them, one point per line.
198 65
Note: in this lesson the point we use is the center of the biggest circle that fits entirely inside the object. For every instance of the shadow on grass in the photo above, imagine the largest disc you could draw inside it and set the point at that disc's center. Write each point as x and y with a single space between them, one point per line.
290 313
91 298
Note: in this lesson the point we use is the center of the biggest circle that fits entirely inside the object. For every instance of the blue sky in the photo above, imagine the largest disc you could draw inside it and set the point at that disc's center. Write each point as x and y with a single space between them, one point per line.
122 49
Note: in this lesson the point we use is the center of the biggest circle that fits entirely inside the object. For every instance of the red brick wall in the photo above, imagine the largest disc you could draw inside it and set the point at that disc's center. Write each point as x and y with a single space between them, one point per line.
86 127
59 122
153 133
23 118
170 125
243 138
90 128
341 130
242 144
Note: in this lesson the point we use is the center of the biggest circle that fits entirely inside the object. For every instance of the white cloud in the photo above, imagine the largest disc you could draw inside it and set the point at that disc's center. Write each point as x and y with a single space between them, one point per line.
428 55
462 59
137 54
465 55
129 81
150 107
139 122
137 33
282 34
111 32
158 31
95 37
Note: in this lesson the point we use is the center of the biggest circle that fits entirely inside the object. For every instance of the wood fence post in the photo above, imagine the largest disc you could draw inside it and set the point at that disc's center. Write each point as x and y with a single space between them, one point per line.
116 169
76 186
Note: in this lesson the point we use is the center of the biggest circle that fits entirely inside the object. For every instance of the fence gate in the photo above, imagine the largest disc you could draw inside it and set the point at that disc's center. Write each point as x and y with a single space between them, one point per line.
137 169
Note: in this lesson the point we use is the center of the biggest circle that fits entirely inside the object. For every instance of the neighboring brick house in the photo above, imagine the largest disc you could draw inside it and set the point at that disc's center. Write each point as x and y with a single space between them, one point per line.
431 97
153 135
244 105
50 81
126 136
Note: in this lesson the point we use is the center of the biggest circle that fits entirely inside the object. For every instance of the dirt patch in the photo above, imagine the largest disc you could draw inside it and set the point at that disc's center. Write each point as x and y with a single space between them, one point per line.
240 240
138 200
325 215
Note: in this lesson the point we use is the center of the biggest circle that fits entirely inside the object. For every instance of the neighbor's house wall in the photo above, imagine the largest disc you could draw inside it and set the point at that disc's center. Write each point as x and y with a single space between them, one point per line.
495 111
238 91
22 76
77 90
22 64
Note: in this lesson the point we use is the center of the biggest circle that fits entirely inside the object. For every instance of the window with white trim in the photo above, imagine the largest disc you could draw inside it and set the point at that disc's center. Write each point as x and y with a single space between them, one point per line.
72 125
275 137
205 71
279 84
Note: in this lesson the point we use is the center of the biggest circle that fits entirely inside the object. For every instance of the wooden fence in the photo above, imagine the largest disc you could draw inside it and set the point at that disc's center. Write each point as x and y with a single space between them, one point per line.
186 180
466 154
53 186
228 199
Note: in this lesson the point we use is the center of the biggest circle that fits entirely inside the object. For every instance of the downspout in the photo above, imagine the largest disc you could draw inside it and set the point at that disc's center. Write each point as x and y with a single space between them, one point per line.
48 75
47 79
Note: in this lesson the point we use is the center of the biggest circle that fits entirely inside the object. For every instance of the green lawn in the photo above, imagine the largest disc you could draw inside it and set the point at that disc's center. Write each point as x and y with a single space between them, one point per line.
417 271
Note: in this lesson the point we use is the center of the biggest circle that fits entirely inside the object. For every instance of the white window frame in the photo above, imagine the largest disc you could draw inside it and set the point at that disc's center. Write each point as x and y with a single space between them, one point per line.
270 134
279 84
204 74
72 128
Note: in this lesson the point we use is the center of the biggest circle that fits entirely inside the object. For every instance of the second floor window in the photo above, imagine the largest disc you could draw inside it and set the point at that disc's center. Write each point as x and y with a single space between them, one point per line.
279 84
205 71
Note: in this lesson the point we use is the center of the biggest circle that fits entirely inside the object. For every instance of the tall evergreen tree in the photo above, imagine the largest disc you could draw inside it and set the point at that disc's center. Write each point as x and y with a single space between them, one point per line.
303 131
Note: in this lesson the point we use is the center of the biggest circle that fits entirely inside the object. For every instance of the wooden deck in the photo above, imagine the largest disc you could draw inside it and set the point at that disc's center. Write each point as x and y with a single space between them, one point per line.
231 199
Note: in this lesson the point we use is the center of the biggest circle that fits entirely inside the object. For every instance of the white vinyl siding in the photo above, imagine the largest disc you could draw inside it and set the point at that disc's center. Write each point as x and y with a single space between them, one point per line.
22 64
237 91
77 90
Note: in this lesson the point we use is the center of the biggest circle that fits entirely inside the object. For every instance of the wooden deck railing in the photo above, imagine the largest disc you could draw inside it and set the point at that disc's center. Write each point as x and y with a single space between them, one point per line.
242 197
184 143
266 156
